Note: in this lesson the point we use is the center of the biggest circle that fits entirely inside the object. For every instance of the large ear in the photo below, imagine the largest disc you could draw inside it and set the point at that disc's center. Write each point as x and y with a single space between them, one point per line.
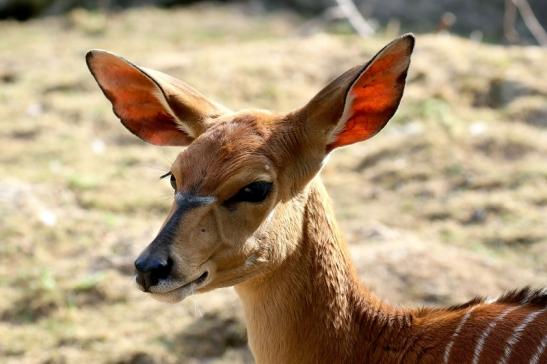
156 107
359 103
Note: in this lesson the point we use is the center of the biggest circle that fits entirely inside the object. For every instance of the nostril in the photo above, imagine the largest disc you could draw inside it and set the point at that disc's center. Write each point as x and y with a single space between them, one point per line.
151 269
164 269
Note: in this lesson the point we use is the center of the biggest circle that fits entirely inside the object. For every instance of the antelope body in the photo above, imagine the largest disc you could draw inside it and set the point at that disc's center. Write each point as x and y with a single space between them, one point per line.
250 211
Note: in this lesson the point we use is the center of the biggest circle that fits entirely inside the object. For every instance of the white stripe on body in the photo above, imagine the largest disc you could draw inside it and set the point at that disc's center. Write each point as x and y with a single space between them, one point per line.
539 351
456 333
517 334
488 331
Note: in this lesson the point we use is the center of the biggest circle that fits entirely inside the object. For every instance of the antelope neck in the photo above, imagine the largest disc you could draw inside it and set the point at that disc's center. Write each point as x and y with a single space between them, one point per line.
313 299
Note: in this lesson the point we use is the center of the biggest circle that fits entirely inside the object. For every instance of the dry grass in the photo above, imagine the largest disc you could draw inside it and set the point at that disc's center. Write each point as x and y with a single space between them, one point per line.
448 202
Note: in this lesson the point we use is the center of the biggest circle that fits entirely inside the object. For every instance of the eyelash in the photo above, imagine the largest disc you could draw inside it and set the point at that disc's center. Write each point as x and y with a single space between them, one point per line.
172 180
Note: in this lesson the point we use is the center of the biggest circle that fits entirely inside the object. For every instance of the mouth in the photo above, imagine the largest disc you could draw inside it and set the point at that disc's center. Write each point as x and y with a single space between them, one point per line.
173 291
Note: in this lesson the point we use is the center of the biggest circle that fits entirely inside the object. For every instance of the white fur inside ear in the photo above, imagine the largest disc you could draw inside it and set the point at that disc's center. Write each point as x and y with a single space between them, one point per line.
158 94
346 114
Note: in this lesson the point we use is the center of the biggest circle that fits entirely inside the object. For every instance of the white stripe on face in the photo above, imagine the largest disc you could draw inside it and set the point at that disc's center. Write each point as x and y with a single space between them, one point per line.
488 331
517 334
539 351
456 333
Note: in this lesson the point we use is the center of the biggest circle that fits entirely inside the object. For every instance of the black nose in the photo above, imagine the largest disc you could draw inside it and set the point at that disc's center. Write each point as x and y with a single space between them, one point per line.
151 268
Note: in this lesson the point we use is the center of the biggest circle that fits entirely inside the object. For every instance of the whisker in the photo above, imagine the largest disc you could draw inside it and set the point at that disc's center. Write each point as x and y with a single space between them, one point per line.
197 311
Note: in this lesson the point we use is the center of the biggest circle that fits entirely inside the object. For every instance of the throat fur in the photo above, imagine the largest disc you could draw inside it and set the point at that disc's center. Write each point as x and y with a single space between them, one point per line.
314 299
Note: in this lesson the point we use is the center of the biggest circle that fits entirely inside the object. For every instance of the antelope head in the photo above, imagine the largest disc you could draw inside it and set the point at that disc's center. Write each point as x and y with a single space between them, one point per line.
233 182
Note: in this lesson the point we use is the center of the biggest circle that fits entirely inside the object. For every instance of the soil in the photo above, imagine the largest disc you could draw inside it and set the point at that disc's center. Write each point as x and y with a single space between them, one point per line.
447 202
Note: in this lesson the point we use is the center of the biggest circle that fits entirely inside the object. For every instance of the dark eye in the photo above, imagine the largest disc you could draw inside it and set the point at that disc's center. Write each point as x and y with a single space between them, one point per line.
173 182
253 192
172 179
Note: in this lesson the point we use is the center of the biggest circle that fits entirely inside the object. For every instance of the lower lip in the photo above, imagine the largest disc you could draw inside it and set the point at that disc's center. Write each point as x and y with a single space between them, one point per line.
187 288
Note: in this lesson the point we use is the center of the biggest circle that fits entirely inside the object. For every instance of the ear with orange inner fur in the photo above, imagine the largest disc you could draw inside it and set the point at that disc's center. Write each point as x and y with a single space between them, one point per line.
157 108
360 102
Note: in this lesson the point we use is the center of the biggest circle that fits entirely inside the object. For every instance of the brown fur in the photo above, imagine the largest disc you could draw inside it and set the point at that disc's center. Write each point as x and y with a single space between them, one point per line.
302 298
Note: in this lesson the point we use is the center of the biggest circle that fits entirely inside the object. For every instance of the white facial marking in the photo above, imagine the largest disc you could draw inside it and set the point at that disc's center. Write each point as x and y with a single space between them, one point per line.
270 216
488 331
456 333
539 351
517 334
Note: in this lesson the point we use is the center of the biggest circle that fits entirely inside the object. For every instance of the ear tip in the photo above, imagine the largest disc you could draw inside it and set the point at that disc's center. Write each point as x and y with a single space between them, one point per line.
409 39
89 55
92 54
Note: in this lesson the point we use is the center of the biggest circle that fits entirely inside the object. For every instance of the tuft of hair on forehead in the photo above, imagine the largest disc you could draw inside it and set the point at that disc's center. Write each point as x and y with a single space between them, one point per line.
241 125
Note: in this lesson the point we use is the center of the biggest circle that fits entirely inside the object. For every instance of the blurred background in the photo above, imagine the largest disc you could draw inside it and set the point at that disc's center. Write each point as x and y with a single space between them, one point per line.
448 202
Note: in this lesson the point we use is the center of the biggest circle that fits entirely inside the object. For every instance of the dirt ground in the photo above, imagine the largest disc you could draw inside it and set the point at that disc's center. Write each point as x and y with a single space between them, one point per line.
448 202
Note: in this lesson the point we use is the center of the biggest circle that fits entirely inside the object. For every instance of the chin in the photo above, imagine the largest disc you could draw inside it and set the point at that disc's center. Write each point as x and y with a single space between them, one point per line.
174 296
168 297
